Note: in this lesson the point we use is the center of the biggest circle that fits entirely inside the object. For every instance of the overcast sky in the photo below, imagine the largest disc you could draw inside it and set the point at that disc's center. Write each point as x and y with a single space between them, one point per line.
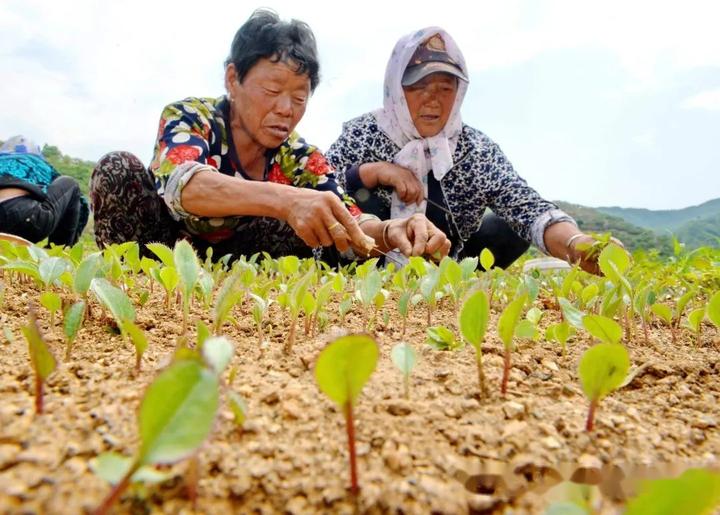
597 103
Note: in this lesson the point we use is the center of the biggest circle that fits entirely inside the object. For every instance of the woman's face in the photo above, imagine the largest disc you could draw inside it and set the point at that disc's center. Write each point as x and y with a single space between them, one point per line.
269 102
430 101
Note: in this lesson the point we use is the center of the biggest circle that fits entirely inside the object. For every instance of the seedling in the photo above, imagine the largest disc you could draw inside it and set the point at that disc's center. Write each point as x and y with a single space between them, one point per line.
226 298
239 408
188 268
507 322
73 320
713 309
295 298
176 415
441 338
695 491
560 333
404 358
664 313
473 322
341 371
602 370
52 302
42 360
694 322
604 329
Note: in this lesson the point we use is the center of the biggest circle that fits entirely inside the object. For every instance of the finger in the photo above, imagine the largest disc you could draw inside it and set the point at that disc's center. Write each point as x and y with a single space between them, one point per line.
307 235
338 234
342 215
436 242
401 190
417 229
398 238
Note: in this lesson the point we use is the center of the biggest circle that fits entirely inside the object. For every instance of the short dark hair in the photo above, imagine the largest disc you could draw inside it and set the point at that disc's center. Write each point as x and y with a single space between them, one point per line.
265 36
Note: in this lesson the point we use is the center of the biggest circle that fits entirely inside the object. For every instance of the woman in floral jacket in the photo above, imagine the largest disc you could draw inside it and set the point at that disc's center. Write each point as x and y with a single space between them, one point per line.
231 173
415 155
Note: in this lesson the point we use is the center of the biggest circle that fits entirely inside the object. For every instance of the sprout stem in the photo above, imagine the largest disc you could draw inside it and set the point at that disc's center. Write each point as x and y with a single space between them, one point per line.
506 372
589 424
38 394
481 375
116 492
350 425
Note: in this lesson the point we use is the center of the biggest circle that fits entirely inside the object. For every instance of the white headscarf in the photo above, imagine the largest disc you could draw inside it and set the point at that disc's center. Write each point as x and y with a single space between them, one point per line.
418 154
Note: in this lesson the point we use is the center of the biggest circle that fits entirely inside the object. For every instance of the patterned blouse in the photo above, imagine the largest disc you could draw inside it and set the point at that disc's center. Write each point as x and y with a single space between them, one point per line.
194 136
481 177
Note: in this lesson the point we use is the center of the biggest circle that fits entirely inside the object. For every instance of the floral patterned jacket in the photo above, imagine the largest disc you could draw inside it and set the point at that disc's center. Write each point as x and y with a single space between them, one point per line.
481 177
194 136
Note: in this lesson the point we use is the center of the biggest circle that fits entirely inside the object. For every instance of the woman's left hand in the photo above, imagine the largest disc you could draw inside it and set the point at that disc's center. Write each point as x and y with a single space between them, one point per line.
416 236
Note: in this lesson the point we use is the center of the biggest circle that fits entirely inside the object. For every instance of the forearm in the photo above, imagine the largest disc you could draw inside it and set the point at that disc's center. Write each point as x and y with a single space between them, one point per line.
369 174
211 194
374 229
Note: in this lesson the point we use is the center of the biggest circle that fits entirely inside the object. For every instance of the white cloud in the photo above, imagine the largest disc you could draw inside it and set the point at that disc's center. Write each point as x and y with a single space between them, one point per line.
709 100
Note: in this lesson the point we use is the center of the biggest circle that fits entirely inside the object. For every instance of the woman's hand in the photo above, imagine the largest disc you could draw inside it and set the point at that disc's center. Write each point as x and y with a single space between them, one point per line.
416 236
564 241
403 181
321 219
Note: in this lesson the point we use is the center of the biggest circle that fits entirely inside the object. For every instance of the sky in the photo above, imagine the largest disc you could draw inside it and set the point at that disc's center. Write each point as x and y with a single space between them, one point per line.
613 103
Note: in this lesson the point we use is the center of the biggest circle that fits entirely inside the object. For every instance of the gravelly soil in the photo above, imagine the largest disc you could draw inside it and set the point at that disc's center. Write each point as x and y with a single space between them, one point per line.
440 451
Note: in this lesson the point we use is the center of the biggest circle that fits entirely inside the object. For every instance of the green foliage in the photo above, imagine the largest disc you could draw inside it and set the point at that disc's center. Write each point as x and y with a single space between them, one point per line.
114 299
713 309
474 316
42 360
487 260
694 492
73 320
239 408
177 412
441 338
344 366
509 319
603 328
112 467
52 302
602 369
560 333
404 357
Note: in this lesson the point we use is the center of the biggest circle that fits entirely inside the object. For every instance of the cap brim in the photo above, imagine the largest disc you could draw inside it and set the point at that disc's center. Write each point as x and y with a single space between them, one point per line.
420 71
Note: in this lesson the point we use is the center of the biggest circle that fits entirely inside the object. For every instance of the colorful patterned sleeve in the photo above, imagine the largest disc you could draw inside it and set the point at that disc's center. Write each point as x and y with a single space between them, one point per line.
181 150
302 165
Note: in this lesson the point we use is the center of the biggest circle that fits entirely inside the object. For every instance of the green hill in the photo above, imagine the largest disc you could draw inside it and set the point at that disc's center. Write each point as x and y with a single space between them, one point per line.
665 220
701 232
71 166
633 237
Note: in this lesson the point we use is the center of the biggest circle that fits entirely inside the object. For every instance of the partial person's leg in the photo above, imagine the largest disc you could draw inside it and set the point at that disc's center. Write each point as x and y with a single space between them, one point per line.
496 235
25 217
125 205
63 200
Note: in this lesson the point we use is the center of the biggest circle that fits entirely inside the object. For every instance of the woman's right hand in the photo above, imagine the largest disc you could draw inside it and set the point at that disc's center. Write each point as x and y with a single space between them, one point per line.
403 181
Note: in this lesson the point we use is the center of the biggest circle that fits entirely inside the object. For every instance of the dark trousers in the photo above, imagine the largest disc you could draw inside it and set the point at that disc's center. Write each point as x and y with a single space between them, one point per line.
57 217
497 236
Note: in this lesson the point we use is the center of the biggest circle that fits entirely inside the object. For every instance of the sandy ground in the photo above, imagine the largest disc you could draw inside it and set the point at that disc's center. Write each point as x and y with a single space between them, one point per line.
445 450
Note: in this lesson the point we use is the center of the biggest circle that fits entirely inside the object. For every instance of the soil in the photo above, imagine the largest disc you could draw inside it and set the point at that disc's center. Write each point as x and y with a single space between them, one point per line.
446 449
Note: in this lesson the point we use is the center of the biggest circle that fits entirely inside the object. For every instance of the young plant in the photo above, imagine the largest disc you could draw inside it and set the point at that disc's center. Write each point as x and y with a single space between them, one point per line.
295 298
52 302
694 322
695 491
341 371
226 299
440 337
474 316
404 358
602 370
188 268
604 329
664 313
713 309
561 333
507 322
176 414
42 360
73 320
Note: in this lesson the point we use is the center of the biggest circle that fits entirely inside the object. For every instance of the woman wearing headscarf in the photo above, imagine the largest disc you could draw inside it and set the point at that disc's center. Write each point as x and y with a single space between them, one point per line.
415 155
36 202
231 174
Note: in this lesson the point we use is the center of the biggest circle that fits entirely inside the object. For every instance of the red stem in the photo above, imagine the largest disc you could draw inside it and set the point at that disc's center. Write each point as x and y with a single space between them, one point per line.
38 394
116 492
506 373
350 425
589 424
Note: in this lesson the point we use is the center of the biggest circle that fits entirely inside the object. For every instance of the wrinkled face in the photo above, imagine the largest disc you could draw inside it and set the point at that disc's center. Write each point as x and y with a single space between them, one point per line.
269 102
430 101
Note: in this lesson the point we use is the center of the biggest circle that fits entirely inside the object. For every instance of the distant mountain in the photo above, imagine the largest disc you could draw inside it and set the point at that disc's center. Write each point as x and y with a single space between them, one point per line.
702 232
633 237
665 220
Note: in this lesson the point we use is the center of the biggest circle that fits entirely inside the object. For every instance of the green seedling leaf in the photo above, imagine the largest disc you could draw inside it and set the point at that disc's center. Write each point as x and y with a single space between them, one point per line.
52 302
534 315
344 366
112 467
73 320
217 352
138 339
369 287
86 271
560 333
404 357
468 266
694 492
474 316
695 318
51 269
713 309
114 299
509 319
187 265
589 293
226 298
527 330
613 261
603 328
602 369
42 360
663 312
441 338
163 252
177 412
572 314
487 259
203 333
239 408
